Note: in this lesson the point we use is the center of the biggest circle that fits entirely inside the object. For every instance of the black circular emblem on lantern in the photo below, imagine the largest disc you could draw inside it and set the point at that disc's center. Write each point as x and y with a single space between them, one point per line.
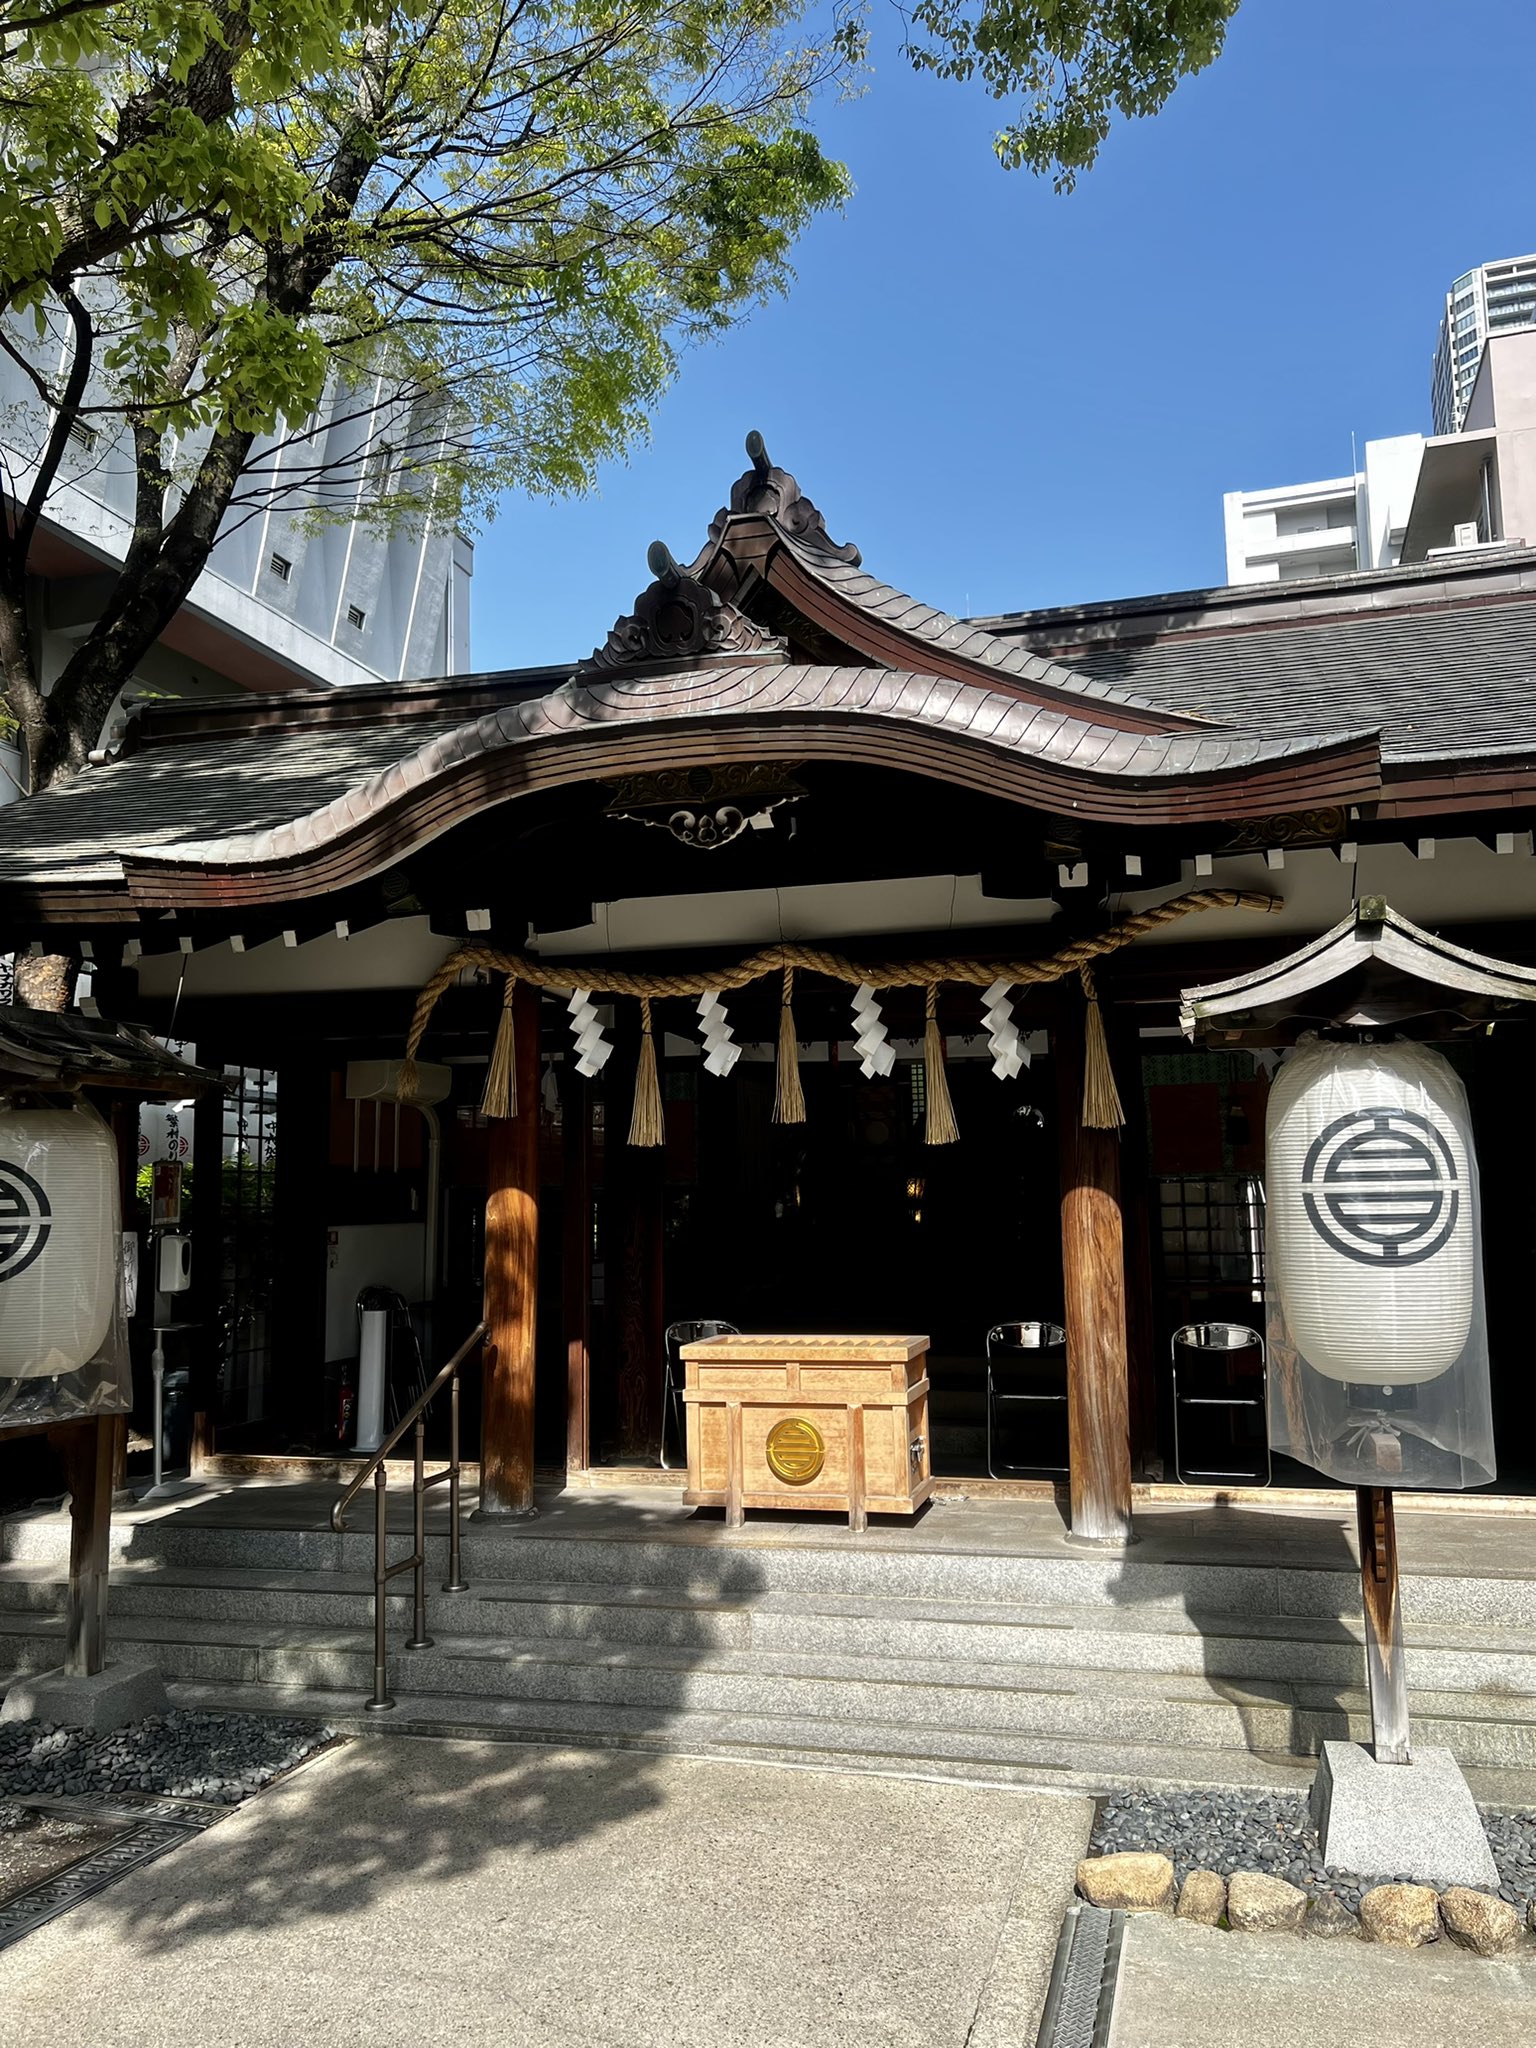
25 1220
1381 1187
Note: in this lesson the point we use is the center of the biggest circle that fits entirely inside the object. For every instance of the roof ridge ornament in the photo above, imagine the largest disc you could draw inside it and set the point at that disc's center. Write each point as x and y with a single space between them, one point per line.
776 495
677 618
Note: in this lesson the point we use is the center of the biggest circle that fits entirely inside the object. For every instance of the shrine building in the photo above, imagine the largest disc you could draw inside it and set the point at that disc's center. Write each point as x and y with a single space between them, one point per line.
801 960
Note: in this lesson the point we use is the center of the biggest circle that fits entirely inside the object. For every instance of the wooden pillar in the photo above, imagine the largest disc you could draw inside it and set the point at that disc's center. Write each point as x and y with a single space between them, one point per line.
512 1280
1093 1287
576 1266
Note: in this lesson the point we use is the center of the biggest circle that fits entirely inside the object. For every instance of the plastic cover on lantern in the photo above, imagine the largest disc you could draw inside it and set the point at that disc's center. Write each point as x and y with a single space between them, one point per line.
63 1331
1378 1340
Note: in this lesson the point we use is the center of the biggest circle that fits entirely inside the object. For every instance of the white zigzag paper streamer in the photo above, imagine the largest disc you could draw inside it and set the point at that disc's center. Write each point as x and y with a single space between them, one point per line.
875 1055
721 1052
594 1049
1008 1050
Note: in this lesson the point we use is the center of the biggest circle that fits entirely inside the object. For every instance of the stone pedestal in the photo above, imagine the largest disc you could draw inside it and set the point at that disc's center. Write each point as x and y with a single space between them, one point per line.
127 1690
1415 1820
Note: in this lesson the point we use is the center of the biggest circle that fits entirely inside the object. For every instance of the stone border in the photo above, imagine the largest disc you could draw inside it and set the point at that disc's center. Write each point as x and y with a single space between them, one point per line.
1253 1902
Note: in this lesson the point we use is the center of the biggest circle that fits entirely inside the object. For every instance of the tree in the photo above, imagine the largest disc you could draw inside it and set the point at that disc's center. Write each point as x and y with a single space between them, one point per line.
1074 63
482 226
479 229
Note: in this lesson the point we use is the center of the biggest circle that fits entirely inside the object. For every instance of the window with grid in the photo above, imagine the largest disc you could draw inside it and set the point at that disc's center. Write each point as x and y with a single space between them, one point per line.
1212 1231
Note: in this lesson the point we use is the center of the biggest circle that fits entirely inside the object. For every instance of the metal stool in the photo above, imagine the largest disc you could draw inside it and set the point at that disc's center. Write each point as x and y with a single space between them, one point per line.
1217 1347
1036 1355
674 1376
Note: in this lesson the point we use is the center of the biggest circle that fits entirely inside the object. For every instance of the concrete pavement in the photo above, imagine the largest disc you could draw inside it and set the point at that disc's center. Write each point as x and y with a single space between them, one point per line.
1182 1986
415 1892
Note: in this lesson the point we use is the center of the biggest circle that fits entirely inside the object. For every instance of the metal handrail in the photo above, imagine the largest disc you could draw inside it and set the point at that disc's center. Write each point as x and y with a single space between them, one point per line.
383 1572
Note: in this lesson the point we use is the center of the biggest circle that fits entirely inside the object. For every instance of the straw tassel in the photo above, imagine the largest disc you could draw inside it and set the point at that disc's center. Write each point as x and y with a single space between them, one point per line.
1102 1108
788 1095
499 1099
646 1126
940 1128
409 1079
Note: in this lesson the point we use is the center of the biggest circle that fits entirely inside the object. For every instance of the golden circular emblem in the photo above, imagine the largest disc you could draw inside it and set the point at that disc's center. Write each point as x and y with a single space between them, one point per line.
795 1450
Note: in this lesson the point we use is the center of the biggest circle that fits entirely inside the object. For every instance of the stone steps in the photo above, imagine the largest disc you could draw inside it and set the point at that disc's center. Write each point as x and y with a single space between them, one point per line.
1478 1658
702 1564
916 1648
902 1750
1066 1702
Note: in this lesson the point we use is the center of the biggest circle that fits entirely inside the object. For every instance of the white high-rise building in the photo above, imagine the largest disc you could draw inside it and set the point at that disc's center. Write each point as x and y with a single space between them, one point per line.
1328 528
1496 298
282 603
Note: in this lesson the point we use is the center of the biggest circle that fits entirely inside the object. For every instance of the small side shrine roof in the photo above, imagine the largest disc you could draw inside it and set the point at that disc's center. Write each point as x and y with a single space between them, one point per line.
54 1049
1373 969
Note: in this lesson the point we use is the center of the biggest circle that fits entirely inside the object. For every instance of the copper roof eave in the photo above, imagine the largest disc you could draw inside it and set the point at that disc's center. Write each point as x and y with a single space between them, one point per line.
1373 933
372 829
49 1049
810 581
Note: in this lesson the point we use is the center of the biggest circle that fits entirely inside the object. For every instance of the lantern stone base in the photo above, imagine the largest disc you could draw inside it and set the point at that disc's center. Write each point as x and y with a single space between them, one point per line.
128 1689
1414 1820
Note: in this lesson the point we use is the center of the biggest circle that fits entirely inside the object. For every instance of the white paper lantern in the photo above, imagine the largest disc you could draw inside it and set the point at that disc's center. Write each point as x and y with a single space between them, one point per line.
58 1240
1371 1228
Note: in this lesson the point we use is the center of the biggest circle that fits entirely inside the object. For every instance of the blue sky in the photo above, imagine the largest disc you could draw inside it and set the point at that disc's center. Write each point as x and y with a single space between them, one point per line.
1009 397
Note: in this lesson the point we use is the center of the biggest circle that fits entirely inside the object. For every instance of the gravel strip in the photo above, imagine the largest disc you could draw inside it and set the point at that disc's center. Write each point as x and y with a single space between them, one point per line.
1273 1832
222 1758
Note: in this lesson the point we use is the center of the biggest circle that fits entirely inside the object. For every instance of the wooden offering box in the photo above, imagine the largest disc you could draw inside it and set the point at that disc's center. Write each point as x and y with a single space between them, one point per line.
837 1424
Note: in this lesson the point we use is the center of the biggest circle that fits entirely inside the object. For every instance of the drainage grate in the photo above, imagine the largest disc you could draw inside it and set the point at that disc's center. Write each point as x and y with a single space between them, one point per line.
1081 1996
150 1827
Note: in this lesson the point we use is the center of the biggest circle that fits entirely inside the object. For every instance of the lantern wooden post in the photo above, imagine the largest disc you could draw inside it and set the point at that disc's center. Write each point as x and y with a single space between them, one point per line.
512 1280
1385 1670
1093 1287
89 1449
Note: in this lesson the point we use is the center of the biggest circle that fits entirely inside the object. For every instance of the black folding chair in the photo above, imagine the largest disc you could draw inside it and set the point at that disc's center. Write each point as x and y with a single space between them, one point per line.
1026 1369
1225 1375
674 1377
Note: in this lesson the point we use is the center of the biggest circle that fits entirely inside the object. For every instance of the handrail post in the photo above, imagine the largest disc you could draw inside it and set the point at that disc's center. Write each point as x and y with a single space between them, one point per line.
455 1582
381 1699
420 1640
416 1563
